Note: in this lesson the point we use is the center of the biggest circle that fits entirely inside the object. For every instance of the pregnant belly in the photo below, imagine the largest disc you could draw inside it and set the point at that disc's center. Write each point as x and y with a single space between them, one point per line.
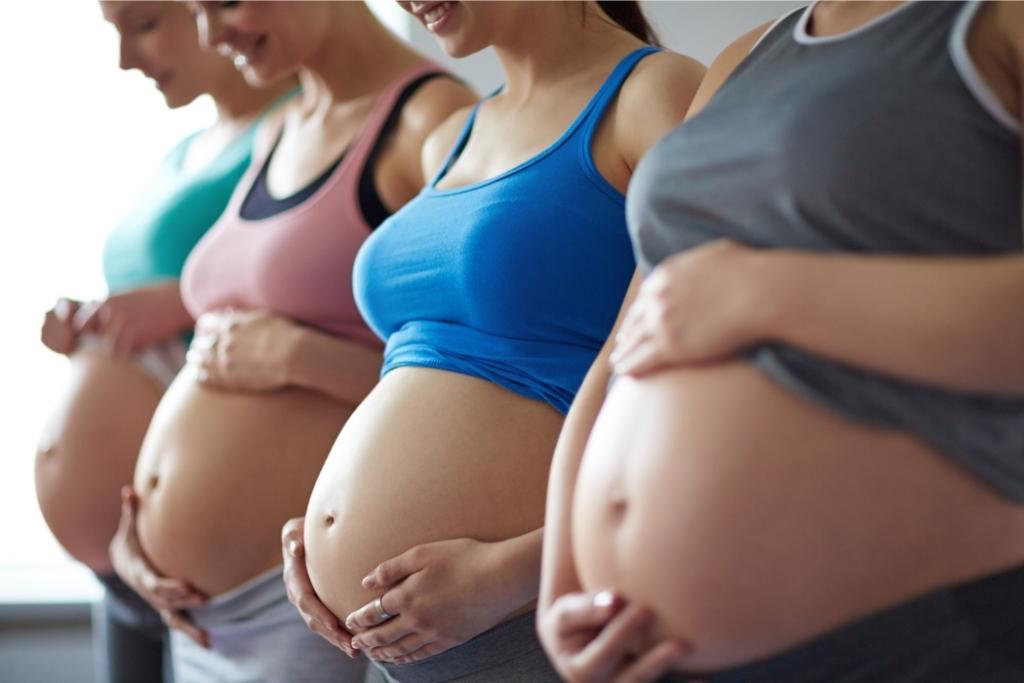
219 474
88 449
429 455
751 520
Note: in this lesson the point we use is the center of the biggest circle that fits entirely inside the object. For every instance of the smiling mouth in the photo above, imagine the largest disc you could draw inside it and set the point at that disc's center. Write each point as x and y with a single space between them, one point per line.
243 57
434 15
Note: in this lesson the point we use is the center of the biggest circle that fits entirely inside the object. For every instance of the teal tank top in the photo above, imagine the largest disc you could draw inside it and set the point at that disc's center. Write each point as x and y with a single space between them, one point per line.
171 214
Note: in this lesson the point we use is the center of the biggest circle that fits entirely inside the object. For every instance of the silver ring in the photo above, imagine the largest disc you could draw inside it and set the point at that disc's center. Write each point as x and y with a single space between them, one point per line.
378 604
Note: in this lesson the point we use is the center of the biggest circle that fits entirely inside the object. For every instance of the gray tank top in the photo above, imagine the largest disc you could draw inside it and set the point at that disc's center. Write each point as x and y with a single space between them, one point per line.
882 140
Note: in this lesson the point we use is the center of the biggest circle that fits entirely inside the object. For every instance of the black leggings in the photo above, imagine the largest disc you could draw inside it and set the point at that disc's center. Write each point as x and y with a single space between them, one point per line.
972 632
130 639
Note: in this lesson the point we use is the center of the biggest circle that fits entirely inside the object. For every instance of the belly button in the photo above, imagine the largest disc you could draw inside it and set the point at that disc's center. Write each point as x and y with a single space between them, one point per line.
329 521
617 505
153 481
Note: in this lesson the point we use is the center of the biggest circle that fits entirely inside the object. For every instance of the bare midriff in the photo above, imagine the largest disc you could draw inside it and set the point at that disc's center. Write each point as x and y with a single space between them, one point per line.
221 471
429 455
752 520
88 450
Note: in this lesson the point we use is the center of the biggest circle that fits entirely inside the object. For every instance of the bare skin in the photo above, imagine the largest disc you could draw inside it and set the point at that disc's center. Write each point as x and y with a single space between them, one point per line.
438 474
749 519
88 451
237 442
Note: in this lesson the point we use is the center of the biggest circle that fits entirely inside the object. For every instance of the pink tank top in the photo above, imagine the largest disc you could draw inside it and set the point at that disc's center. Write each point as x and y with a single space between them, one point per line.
297 263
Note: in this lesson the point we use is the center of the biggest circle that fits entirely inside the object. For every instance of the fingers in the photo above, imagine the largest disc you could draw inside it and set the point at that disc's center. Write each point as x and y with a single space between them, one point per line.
386 634
369 616
428 650
580 612
177 620
171 593
646 357
653 664
300 591
400 648
292 541
391 572
65 309
606 653
89 318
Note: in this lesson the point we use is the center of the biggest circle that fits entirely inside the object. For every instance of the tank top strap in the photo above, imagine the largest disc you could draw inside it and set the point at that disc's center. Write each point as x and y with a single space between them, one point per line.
381 111
592 114
460 142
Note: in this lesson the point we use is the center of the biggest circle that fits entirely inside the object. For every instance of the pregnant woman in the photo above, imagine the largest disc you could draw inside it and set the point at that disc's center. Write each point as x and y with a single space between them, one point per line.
494 289
281 356
125 349
814 467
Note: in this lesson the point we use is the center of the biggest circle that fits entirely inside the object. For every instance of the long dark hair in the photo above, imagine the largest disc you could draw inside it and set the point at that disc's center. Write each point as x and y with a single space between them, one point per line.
630 17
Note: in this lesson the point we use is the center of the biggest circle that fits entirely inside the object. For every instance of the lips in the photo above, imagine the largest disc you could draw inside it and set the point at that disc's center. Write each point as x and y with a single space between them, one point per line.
242 54
432 14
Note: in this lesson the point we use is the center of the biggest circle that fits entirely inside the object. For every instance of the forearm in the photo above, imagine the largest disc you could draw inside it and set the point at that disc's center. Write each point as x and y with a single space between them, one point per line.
558 570
341 369
517 561
946 322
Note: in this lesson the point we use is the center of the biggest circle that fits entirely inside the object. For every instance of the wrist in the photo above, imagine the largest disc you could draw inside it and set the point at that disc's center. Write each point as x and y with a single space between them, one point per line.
769 292
515 565
296 355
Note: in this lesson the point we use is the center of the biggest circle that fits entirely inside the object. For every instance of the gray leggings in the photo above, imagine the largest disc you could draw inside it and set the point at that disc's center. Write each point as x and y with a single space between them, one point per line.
508 653
130 641
257 636
973 632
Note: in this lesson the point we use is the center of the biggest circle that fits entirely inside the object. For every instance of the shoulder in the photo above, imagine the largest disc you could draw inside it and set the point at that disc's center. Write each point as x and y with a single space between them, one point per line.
433 102
427 111
723 66
1009 17
662 81
653 100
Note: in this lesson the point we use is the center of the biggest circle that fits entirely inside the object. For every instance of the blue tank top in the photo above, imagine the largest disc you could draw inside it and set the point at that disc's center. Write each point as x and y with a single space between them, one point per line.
516 279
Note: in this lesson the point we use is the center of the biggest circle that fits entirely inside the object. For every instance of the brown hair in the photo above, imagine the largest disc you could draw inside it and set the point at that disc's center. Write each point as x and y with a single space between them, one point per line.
628 16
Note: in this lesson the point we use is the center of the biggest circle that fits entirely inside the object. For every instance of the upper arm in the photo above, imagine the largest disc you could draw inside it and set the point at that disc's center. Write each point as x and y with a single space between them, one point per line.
724 65
656 95
431 106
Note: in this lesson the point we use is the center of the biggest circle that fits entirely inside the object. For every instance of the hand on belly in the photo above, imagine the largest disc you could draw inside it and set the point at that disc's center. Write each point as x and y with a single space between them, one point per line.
598 637
168 596
432 598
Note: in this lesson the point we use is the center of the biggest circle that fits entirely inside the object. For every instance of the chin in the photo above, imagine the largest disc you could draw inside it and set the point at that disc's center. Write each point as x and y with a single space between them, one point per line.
457 49
261 77
178 100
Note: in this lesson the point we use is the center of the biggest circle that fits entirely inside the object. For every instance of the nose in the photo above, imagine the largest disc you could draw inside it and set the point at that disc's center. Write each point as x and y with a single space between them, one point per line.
127 57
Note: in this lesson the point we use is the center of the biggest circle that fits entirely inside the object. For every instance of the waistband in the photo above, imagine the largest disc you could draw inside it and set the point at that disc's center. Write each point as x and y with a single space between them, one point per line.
243 603
508 652
970 631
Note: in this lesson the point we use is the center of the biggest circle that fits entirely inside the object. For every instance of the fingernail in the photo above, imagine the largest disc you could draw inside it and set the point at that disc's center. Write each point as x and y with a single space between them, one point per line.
356 644
604 599
350 623
293 548
368 582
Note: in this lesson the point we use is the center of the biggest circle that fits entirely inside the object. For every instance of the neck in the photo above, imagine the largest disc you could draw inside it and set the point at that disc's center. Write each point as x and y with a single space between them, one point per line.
238 103
368 59
561 41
